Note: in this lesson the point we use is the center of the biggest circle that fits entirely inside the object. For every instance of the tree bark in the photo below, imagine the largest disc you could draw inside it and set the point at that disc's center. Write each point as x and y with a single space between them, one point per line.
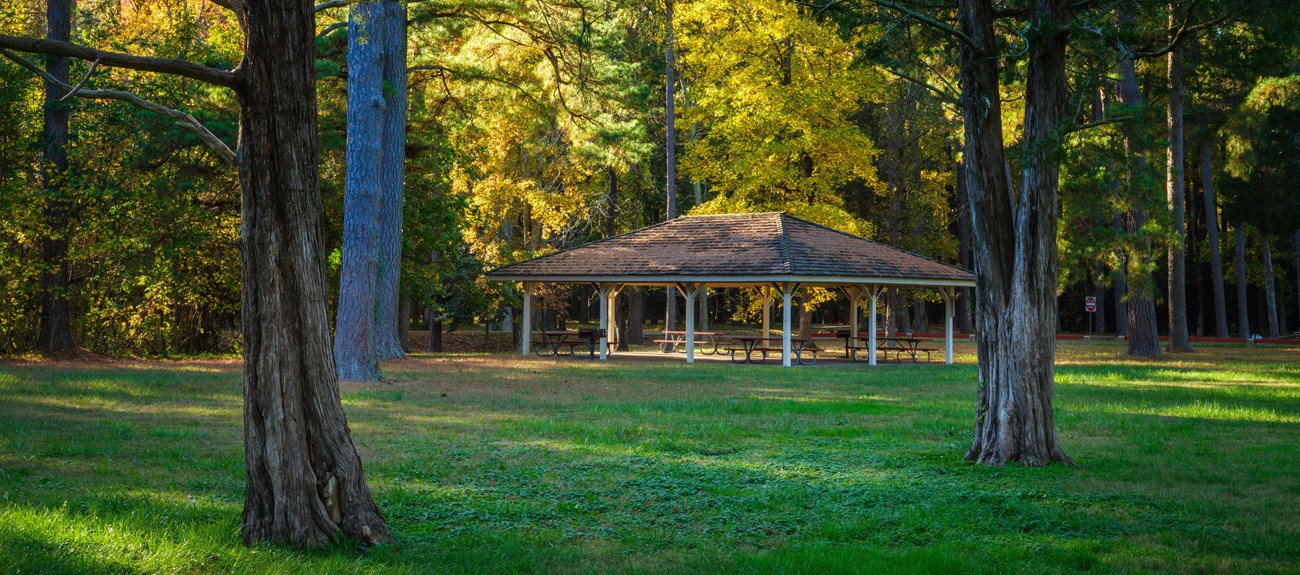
636 316
1270 287
1295 248
1142 330
304 482
55 329
670 147
1014 237
1243 309
435 331
392 166
963 250
355 351
1178 336
1212 228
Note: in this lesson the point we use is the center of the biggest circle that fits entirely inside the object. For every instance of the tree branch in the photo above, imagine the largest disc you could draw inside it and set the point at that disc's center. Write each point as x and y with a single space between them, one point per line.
182 119
931 22
1182 33
215 76
79 85
944 96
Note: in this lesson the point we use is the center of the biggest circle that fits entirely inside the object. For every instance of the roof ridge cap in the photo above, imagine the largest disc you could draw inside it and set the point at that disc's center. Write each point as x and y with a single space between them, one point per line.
783 243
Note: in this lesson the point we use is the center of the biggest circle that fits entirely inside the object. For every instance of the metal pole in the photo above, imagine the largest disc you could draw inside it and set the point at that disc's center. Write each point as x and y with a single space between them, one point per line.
873 292
526 330
604 321
787 292
690 292
948 296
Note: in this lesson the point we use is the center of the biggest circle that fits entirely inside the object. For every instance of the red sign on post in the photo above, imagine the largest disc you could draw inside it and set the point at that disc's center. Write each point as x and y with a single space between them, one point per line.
1090 304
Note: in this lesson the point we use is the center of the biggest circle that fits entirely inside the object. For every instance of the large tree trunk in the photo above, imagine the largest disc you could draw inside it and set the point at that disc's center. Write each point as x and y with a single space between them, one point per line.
304 483
670 147
1212 227
392 164
1243 309
1295 247
1270 287
1178 337
1014 237
355 351
963 250
1142 331
55 329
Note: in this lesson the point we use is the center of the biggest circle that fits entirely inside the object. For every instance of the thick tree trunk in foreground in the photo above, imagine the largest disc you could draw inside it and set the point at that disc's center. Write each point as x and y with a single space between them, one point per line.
1270 287
355 349
392 165
1243 308
1212 227
304 482
1177 260
55 329
1014 238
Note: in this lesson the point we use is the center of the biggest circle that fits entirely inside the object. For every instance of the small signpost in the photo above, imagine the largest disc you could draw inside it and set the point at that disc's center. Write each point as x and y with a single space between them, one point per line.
1090 304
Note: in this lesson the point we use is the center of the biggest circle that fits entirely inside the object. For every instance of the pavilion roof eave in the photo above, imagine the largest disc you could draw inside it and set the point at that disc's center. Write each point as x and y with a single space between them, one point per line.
738 280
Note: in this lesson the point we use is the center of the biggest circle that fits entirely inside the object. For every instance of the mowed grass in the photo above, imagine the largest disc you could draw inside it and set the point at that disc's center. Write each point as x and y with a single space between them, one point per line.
487 464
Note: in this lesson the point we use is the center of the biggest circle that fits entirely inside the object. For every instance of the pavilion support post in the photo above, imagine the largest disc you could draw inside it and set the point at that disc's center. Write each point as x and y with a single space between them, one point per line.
873 293
690 291
605 290
949 296
855 295
526 330
610 324
787 292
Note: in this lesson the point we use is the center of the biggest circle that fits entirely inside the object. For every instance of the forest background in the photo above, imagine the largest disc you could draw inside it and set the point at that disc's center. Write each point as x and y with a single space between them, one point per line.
536 126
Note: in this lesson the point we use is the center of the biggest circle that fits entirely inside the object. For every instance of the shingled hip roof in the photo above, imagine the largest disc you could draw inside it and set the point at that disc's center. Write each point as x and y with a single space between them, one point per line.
736 249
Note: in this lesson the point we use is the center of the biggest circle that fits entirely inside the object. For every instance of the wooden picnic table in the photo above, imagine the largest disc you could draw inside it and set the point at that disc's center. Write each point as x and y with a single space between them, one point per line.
677 339
550 342
750 345
899 345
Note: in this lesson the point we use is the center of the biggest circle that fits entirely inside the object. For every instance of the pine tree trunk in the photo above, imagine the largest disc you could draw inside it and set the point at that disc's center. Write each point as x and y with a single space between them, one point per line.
636 316
55 329
392 165
670 146
354 328
1270 288
1178 336
1014 244
1141 331
1212 227
963 250
304 482
1243 309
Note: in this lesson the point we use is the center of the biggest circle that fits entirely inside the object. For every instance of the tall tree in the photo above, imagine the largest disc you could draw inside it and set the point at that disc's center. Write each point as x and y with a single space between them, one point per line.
356 353
392 167
1212 229
56 318
1243 310
670 145
1177 261
1014 234
303 478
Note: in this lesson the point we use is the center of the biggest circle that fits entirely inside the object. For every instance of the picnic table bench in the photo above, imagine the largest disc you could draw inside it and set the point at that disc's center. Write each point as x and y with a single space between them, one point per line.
803 351
704 339
910 346
551 342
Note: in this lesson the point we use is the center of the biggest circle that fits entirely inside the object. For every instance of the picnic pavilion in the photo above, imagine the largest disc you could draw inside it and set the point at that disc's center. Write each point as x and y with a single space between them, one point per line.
773 252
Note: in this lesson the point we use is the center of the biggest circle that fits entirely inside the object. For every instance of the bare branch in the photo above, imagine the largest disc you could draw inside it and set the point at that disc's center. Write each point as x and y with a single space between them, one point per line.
931 22
943 95
331 4
216 76
1182 33
1100 123
183 119
89 72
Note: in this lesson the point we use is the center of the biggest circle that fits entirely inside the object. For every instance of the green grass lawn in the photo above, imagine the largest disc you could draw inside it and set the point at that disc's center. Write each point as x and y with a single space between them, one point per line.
497 464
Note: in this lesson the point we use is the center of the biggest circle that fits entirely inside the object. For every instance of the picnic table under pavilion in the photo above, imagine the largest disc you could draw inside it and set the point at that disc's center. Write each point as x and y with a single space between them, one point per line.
774 252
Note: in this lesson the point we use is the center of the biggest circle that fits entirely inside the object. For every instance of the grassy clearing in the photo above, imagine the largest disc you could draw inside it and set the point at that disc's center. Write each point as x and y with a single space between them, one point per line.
497 464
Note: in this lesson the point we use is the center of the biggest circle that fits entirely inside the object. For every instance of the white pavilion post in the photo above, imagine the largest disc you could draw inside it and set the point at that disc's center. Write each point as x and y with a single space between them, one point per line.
690 291
787 292
948 297
604 319
526 330
873 292
855 294
609 326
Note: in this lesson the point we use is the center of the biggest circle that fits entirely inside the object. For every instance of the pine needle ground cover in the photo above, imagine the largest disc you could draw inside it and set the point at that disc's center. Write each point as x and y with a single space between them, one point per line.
489 464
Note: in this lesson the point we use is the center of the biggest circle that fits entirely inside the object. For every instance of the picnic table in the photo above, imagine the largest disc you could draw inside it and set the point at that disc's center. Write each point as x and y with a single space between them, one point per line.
677 341
899 345
551 342
803 351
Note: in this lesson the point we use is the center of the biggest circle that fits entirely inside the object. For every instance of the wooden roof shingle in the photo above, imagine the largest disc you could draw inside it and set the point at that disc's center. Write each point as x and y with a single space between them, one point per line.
736 249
